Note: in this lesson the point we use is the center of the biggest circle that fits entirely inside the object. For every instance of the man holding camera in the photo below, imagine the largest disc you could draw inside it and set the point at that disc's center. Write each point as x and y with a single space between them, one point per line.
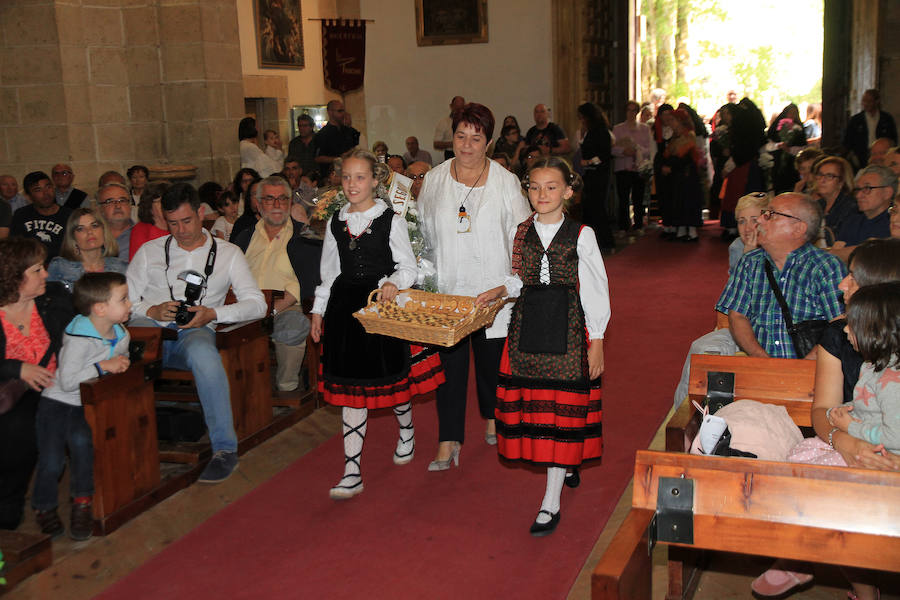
191 265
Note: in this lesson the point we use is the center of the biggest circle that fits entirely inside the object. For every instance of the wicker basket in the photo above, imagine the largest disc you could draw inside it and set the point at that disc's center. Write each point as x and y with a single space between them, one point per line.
427 318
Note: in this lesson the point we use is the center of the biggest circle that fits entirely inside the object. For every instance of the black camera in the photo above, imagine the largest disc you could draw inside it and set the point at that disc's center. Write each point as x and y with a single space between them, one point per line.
194 283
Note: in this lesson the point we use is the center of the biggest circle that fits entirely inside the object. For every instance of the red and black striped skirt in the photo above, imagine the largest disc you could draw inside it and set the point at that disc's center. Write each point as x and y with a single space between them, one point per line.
548 422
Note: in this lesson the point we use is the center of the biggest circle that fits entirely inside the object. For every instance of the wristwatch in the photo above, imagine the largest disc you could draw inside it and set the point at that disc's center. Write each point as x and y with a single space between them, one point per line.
828 415
831 437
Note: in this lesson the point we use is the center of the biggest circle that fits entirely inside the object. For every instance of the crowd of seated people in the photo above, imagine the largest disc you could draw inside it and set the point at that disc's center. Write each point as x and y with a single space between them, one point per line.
261 215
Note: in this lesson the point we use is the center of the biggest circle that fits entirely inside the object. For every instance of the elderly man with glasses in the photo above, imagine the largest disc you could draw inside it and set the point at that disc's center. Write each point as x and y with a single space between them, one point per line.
875 189
66 194
807 277
114 201
277 254
416 171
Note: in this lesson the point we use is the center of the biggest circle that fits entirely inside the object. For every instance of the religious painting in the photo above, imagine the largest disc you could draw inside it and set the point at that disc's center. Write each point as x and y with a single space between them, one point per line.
279 34
451 22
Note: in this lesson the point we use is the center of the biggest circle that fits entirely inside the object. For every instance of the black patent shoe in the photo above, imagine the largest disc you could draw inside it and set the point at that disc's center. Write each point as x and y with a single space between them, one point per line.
542 529
573 479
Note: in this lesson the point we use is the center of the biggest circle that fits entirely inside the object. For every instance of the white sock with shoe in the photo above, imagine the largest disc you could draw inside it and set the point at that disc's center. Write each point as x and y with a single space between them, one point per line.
354 426
555 478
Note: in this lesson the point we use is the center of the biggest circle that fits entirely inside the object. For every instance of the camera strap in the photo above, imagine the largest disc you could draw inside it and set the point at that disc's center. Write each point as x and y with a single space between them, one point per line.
207 271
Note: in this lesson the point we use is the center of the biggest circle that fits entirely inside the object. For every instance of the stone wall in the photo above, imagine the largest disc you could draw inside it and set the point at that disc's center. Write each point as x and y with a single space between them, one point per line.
104 84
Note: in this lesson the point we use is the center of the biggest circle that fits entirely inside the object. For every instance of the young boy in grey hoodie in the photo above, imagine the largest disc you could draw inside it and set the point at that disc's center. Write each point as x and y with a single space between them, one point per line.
95 343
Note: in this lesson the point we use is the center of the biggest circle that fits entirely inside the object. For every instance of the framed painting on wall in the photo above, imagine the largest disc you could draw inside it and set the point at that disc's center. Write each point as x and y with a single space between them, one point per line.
279 34
441 22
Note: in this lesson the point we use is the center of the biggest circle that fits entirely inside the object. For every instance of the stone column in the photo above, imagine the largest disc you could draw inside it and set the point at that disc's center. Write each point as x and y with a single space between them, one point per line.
104 84
202 87
33 111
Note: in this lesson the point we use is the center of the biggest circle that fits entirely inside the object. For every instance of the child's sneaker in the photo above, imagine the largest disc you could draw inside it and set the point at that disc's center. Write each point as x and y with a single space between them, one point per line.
82 524
50 523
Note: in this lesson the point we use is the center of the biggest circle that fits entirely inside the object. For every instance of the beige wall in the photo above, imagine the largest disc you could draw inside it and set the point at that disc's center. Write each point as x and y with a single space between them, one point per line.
104 84
292 87
304 86
408 88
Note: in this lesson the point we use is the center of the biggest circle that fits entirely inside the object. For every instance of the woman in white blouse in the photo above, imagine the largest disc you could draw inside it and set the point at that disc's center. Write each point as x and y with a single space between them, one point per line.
252 156
470 207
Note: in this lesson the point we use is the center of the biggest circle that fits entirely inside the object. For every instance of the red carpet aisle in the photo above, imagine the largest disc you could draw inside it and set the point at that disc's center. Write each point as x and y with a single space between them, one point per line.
462 533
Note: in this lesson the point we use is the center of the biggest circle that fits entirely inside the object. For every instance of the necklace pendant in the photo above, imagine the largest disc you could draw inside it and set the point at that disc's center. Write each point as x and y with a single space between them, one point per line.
353 244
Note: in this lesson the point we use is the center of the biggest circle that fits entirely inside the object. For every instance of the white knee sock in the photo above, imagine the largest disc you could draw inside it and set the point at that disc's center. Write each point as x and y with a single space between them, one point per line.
555 478
355 420
407 441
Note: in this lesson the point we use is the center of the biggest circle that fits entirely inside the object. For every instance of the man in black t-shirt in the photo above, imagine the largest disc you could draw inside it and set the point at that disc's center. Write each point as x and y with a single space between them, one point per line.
332 140
546 134
303 147
43 219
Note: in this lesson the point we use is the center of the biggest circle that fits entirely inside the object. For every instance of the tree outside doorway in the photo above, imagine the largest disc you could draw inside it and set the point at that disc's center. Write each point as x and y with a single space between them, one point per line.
699 50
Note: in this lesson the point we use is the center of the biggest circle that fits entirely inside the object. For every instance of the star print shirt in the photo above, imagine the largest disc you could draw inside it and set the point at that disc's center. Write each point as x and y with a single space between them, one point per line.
876 403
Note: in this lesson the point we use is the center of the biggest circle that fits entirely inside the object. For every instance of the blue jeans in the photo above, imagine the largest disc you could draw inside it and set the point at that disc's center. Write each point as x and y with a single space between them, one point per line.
61 425
195 351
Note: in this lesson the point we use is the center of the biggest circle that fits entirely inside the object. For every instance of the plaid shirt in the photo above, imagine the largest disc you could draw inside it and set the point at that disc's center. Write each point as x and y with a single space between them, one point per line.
809 283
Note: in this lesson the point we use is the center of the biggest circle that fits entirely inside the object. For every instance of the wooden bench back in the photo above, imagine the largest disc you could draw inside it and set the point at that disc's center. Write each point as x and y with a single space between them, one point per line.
721 320
806 512
788 382
813 513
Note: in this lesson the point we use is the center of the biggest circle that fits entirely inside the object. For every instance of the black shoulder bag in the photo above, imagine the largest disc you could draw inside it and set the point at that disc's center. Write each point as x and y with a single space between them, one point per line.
805 334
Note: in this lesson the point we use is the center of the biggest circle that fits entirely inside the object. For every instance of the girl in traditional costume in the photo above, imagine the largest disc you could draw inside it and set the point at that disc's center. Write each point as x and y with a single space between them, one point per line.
548 397
366 247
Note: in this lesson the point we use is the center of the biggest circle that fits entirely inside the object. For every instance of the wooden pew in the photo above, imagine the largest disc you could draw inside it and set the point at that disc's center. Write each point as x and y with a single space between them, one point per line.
24 554
834 515
721 320
244 349
120 409
786 382
783 381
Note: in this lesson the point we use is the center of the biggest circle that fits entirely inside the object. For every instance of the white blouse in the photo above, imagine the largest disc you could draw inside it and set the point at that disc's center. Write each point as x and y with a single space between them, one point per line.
357 222
253 157
592 281
481 259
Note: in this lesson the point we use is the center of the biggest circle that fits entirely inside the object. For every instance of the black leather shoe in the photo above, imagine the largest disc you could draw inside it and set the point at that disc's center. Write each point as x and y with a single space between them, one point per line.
542 529
573 479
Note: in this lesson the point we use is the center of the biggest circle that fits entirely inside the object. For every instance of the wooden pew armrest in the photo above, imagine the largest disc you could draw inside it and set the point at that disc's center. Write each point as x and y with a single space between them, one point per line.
624 569
683 427
234 334
97 389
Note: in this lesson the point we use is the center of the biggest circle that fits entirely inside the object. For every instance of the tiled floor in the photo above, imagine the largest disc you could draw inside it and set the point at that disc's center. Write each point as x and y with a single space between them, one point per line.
82 569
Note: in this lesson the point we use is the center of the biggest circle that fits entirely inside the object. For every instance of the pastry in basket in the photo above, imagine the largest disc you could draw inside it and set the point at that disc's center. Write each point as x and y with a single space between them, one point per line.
367 244
465 306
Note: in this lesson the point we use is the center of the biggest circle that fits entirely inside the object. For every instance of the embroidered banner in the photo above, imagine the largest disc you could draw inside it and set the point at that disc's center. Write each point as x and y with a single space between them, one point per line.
399 195
344 53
